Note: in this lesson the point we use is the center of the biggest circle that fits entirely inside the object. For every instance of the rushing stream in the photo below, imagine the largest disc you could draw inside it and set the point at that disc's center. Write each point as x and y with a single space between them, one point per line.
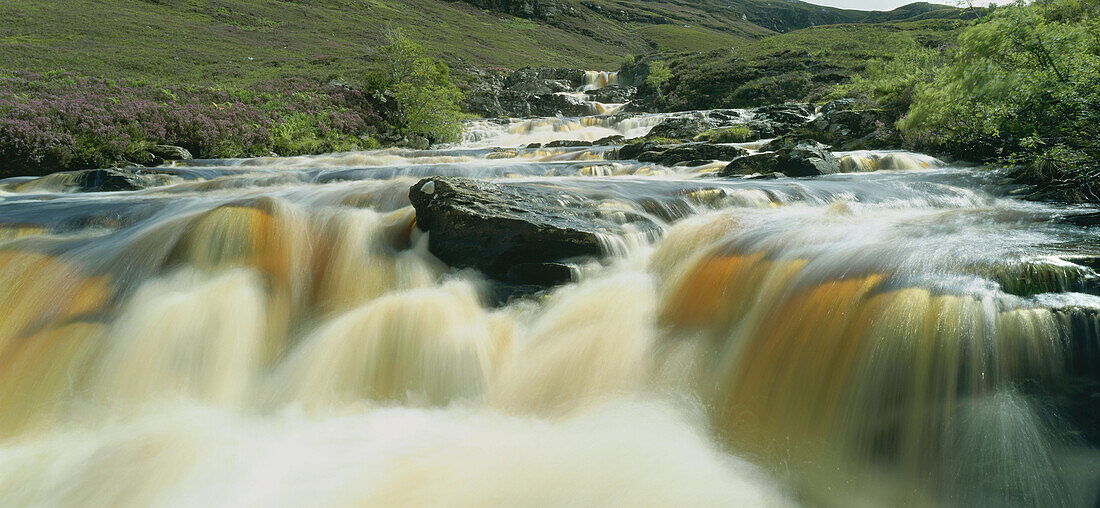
274 332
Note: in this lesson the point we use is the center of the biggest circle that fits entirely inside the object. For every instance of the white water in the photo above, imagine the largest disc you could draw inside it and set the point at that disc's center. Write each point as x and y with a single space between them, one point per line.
274 332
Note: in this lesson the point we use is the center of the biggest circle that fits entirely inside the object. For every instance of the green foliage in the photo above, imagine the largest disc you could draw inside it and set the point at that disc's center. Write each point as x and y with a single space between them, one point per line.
892 83
303 133
659 74
1022 86
735 134
426 98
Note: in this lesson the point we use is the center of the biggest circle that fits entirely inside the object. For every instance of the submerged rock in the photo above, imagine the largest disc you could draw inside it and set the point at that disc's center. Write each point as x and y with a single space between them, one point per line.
512 233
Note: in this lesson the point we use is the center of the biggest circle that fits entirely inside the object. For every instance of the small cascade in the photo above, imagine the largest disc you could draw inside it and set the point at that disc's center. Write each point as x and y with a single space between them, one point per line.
866 160
595 80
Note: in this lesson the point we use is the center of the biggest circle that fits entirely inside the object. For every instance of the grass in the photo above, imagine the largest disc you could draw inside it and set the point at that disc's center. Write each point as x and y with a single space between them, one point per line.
798 65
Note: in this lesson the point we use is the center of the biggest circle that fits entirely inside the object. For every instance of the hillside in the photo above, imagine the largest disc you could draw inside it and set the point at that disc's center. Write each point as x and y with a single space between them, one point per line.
244 41
238 42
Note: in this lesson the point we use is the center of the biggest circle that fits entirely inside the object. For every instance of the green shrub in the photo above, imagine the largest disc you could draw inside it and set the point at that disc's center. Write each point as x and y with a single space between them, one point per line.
659 74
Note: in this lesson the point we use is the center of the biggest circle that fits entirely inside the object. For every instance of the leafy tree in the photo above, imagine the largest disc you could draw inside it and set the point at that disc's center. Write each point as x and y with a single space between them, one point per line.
425 97
1021 86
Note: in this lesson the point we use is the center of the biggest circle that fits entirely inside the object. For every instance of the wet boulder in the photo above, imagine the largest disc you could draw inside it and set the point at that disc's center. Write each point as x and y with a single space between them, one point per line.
807 158
761 163
515 233
107 180
668 156
610 140
170 152
683 127
783 118
524 105
613 94
568 143
634 150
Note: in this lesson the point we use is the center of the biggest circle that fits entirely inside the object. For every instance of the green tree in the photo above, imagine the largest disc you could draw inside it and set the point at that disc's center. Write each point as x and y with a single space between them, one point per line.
1020 86
427 101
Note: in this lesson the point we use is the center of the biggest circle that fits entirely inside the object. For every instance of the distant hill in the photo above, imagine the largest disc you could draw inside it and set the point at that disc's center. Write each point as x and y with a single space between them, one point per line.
733 16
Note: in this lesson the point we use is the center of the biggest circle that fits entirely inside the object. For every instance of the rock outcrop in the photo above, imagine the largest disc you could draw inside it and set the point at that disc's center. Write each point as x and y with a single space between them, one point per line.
804 159
539 92
668 155
519 235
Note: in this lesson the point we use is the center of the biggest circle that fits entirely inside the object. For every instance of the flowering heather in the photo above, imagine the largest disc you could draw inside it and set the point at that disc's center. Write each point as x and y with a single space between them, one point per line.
57 121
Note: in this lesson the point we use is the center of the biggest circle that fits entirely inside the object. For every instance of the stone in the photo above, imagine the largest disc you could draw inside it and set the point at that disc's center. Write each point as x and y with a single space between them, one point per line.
107 180
496 228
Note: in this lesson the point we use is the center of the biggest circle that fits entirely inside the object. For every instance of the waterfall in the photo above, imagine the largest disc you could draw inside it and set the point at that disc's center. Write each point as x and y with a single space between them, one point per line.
276 331
594 80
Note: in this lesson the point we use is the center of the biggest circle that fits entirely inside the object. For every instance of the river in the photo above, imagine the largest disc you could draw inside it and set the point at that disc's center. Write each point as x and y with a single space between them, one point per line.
275 332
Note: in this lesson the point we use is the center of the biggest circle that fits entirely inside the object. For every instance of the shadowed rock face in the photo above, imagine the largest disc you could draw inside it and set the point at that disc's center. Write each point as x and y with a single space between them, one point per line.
506 230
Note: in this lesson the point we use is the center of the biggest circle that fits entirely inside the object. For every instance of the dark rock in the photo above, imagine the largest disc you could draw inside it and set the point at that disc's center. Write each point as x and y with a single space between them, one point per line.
495 228
845 104
611 94
1083 220
785 114
541 274
761 163
523 78
688 152
144 159
633 150
683 127
845 125
546 10
807 159
786 141
107 180
528 92
695 163
568 143
610 140
804 159
535 145
170 153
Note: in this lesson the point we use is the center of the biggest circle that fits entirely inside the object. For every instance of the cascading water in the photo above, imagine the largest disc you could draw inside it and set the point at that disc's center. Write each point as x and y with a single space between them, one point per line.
275 332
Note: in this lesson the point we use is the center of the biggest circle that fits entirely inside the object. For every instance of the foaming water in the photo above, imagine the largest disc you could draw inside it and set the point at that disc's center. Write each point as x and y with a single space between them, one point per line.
275 332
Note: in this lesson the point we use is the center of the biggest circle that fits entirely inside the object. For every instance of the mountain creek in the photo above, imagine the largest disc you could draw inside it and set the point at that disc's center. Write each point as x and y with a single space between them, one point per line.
578 310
